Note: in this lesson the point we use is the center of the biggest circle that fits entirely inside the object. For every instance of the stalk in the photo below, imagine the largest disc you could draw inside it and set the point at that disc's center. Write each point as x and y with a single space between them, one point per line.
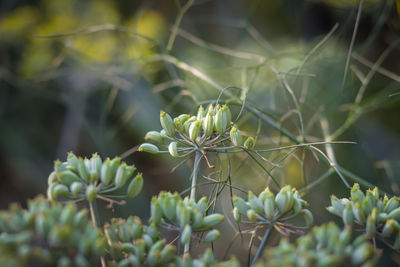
193 190
262 245
94 214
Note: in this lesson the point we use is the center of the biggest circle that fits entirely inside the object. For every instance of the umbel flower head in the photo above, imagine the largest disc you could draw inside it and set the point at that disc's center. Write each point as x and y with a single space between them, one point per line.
185 215
377 216
79 178
272 210
50 234
325 245
133 244
210 129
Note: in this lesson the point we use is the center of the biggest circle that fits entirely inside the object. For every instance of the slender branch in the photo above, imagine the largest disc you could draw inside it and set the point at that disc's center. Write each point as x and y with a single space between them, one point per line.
262 245
94 214
193 189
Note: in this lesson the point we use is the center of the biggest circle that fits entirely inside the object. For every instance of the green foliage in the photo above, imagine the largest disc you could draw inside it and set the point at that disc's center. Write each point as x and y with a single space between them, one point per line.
378 217
50 234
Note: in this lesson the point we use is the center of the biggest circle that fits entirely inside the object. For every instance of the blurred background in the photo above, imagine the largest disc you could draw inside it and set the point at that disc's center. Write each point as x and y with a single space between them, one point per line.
92 75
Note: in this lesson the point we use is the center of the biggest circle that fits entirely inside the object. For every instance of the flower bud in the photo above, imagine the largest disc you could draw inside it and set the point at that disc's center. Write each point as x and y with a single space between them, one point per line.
154 136
95 165
82 170
249 143
308 217
240 204
370 227
252 215
173 150
356 193
236 136
362 253
188 123
167 123
212 236
212 220
72 161
167 254
236 214
155 211
121 177
135 186
197 219
147 147
170 210
208 124
388 228
68 177
194 130
220 121
202 204
60 190
358 212
183 216
178 125
200 113
255 203
91 193
269 206
348 218
281 200
186 234
183 118
395 214
76 188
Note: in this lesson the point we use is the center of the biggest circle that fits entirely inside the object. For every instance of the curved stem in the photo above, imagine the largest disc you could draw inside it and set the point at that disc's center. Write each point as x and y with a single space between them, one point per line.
193 190
262 245
94 214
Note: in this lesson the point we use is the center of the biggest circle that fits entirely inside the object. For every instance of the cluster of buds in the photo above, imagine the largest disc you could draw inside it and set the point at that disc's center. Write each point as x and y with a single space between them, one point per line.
133 244
325 245
184 215
79 178
270 209
53 235
379 216
207 259
209 129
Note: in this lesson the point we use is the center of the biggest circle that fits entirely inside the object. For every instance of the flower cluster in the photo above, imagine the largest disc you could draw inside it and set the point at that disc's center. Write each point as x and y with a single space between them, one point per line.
379 216
79 178
51 234
133 244
184 215
184 134
325 245
268 209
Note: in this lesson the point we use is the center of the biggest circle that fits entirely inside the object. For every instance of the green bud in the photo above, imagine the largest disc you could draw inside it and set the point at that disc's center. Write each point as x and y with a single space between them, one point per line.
194 130
106 172
388 228
255 203
197 219
183 216
167 254
212 220
236 214
173 150
200 113
95 165
356 193
395 214
167 123
91 193
358 212
76 188
308 217
208 124
348 218
370 227
178 125
154 136
249 143
220 121
269 206
235 136
187 124
240 204
169 208
121 177
135 186
186 234
252 215
362 253
281 200
202 205
72 161
337 205
82 170
52 178
212 236
149 148
183 118
60 190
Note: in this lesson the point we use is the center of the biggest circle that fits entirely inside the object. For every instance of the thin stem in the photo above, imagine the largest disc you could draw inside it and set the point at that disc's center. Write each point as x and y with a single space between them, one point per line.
193 190
262 245
178 20
94 214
